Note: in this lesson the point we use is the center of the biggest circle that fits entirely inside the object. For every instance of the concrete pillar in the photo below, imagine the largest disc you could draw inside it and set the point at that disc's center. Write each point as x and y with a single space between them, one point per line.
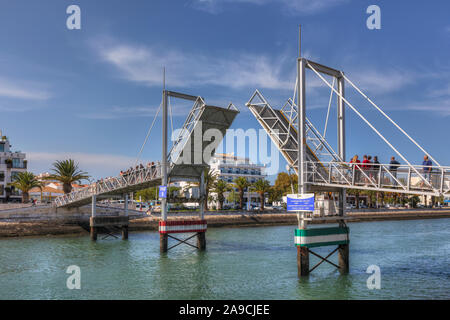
124 232
302 261
201 191
201 236
163 242
343 258
126 205
93 231
201 240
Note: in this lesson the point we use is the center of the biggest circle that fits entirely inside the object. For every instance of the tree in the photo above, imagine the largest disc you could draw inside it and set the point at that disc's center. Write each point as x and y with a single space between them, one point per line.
67 172
275 194
286 182
146 194
241 184
210 180
25 181
220 187
232 197
261 186
413 201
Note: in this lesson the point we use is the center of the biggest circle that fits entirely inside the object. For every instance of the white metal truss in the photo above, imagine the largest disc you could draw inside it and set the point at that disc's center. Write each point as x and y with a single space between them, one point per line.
186 131
380 177
132 180
280 125
324 168
140 178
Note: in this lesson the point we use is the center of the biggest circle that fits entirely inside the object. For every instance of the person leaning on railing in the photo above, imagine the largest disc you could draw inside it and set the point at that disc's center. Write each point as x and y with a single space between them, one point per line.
354 162
394 164
427 168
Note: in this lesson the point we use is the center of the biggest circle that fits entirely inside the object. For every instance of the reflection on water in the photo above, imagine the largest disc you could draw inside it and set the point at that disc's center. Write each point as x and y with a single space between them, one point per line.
240 263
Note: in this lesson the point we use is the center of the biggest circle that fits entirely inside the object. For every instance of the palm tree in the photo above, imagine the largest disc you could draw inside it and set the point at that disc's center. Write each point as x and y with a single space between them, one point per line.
261 186
220 187
25 181
67 172
241 184
210 180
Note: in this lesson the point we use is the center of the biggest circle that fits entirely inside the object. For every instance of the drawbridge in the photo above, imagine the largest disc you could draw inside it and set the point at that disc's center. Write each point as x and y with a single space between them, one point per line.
324 169
189 155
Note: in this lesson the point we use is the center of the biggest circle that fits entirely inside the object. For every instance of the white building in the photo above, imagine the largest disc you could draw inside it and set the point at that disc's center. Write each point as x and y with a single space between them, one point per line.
11 163
228 167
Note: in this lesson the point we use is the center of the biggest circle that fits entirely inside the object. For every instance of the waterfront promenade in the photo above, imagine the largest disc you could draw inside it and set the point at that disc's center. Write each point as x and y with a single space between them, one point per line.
42 221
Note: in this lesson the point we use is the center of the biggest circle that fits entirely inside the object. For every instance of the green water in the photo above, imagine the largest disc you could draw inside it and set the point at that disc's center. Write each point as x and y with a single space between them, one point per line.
240 263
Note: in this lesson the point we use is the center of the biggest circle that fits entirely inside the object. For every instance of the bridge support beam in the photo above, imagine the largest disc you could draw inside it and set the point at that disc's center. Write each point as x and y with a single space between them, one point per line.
302 252
201 236
343 258
302 261
343 250
93 229
163 238
201 240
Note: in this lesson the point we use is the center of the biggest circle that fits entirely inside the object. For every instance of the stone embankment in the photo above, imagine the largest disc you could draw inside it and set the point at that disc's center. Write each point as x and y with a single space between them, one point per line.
48 220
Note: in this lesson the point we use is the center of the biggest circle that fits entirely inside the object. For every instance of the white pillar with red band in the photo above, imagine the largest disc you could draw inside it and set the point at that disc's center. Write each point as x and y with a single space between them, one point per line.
182 226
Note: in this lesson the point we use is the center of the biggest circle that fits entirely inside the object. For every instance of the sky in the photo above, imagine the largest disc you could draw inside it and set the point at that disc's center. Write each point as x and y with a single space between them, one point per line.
91 94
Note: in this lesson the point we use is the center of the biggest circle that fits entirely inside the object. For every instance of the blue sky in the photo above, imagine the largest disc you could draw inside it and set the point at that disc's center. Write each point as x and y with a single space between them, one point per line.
92 93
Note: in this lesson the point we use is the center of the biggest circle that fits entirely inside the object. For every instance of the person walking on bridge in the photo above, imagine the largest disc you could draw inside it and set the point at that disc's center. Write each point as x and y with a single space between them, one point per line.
376 168
393 169
366 167
427 168
356 169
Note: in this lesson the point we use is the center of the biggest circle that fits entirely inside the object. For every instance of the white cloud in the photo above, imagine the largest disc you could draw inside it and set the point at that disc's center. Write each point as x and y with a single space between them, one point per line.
302 7
440 107
184 69
444 91
381 81
25 91
97 165
175 108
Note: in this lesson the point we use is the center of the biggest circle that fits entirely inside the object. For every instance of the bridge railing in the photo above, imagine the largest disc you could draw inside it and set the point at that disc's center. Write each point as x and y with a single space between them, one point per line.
383 177
105 186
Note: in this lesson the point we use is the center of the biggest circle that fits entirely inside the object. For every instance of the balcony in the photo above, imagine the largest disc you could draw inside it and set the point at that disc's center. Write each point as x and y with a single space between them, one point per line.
15 165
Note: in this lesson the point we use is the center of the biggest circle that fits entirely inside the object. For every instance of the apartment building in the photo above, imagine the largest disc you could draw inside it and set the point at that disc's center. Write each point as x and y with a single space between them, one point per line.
228 167
11 163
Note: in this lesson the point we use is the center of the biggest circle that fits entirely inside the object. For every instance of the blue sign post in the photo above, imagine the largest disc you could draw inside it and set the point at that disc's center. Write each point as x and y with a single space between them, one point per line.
163 192
300 202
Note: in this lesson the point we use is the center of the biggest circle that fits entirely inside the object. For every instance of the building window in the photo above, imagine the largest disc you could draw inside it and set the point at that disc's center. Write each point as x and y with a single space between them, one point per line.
2 147
14 175
2 176
16 163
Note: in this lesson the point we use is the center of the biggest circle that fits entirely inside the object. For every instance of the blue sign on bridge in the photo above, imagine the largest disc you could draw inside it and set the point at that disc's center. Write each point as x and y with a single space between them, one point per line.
300 202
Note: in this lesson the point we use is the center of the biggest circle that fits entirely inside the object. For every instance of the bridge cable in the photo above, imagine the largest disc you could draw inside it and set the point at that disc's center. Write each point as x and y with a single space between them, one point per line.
329 107
392 121
370 125
148 134
171 119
